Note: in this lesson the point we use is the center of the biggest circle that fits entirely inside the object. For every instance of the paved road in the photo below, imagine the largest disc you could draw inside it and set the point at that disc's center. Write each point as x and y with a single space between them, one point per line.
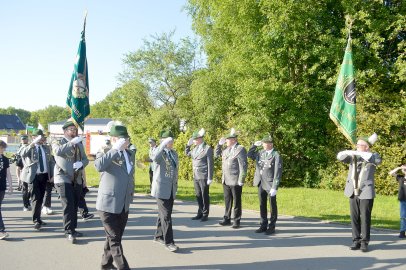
298 243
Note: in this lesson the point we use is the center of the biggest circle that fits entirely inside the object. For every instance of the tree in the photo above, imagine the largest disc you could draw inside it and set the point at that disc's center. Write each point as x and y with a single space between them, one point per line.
166 67
48 115
273 66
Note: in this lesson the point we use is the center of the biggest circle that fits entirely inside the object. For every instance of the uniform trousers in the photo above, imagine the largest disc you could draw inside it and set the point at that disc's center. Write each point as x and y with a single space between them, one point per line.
151 177
70 195
82 205
360 212
263 201
402 215
202 197
37 190
164 222
26 195
48 194
232 194
114 226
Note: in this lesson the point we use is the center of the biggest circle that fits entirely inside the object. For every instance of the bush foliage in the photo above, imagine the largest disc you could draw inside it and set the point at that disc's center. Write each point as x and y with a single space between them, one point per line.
270 67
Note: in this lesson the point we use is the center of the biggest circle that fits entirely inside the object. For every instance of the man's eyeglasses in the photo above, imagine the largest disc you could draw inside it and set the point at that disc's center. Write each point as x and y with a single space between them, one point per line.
72 129
363 145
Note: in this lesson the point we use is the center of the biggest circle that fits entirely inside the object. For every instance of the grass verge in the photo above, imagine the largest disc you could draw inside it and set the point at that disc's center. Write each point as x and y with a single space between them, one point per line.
327 205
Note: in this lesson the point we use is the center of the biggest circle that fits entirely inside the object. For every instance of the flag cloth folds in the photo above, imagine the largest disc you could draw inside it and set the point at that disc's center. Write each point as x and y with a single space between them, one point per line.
78 94
343 109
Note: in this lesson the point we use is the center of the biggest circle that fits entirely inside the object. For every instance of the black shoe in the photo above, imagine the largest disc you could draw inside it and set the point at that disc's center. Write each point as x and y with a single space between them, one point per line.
108 267
197 217
355 246
71 238
87 216
270 230
225 222
77 234
205 218
37 226
260 229
236 225
42 223
402 234
364 247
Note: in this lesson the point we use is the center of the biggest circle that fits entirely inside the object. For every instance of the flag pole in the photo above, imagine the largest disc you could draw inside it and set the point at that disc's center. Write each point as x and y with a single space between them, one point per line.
343 107
349 22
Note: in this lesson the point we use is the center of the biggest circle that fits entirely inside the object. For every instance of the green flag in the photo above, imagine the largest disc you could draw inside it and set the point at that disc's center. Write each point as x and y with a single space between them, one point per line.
78 94
343 111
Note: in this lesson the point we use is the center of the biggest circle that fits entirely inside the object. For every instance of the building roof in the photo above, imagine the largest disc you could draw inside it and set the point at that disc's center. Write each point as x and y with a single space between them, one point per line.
11 122
88 122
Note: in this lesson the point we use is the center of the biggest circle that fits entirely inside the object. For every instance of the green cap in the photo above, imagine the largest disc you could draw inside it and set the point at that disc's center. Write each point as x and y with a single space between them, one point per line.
67 124
232 134
198 134
165 134
24 137
267 139
119 131
37 132
365 139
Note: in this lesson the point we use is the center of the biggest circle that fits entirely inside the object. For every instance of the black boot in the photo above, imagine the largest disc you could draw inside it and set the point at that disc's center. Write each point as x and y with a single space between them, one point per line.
355 246
225 222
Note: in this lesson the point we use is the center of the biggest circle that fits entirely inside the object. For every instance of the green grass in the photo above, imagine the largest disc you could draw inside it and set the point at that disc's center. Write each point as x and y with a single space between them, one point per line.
327 205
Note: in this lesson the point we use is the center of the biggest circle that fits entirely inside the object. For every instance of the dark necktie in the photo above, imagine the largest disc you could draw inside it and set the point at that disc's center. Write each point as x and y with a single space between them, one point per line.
172 159
41 162
124 162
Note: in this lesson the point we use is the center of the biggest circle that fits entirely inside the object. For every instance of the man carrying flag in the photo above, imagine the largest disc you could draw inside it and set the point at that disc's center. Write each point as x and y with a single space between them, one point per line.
69 153
360 184
78 93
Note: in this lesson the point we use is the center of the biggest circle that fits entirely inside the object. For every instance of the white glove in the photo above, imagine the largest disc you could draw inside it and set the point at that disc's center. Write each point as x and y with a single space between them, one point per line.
222 141
166 141
77 165
365 155
37 139
240 184
209 182
258 143
341 154
190 142
76 140
119 145
272 193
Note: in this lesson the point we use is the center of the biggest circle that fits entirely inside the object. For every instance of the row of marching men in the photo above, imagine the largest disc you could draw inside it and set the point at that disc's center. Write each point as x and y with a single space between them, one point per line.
115 193
35 174
116 165
40 167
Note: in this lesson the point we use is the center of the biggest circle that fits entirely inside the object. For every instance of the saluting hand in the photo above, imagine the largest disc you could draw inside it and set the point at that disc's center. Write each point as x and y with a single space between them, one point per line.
258 143
120 144
166 141
37 139
76 140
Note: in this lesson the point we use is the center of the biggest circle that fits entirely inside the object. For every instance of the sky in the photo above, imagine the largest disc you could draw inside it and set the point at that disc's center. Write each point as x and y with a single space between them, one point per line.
39 42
